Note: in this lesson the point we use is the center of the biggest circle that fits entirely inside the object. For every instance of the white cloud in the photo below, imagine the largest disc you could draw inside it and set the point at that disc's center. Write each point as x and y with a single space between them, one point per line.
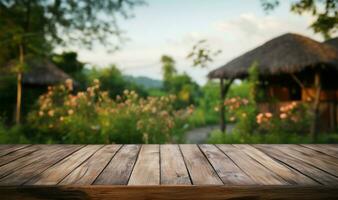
232 36
249 30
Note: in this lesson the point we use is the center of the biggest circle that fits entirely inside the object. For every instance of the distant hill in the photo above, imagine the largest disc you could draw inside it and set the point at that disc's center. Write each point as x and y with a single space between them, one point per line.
146 82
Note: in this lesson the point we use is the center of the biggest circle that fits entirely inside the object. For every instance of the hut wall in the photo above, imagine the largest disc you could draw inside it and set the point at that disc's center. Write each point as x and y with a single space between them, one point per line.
325 95
280 93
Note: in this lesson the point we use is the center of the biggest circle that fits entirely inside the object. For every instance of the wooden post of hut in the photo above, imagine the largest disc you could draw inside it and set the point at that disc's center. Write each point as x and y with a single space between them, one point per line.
222 109
314 125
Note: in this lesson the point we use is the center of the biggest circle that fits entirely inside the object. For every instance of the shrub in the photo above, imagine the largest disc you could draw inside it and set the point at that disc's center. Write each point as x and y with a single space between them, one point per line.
93 117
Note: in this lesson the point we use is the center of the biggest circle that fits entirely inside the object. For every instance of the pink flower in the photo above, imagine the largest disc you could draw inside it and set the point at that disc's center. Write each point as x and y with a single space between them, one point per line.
283 115
268 115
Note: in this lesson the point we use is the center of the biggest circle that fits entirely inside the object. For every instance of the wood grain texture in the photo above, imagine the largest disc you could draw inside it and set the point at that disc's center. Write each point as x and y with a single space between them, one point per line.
287 173
18 154
60 170
157 166
319 160
37 156
252 168
225 168
49 157
88 171
120 167
331 150
147 167
8 148
303 167
173 169
170 192
200 170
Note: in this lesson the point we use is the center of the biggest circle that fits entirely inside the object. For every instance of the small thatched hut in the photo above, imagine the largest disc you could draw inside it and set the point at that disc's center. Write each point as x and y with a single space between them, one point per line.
291 67
40 74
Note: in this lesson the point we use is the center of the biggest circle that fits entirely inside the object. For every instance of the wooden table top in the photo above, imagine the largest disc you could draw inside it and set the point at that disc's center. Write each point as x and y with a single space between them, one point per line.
169 165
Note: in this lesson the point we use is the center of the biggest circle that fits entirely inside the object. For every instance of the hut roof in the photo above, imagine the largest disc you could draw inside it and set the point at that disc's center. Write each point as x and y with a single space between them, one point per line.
288 53
42 71
332 42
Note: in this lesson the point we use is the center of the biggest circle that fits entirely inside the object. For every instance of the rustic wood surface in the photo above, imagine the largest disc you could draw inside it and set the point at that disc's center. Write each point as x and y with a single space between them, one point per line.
180 171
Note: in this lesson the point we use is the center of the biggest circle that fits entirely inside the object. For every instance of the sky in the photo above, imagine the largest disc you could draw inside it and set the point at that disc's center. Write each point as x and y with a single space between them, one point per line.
172 27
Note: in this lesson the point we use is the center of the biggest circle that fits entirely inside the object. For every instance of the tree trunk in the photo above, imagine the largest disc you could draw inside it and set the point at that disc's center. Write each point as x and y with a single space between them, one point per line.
222 109
315 109
19 86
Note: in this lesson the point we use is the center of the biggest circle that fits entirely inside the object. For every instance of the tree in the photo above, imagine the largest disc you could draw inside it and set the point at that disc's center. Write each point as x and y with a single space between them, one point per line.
179 84
112 80
202 55
68 62
168 67
35 26
326 22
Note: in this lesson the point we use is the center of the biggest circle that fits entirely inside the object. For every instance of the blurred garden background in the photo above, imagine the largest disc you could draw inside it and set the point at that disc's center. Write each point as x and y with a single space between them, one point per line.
71 72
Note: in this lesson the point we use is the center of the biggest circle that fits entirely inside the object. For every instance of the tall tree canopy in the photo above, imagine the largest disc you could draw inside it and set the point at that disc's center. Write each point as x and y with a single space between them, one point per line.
41 24
325 12
37 26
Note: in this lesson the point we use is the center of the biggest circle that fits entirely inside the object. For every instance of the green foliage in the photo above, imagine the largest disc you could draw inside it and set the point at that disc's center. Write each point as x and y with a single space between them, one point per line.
12 135
68 62
146 82
182 85
112 80
94 117
205 113
66 22
22 23
239 89
325 13
244 110
202 55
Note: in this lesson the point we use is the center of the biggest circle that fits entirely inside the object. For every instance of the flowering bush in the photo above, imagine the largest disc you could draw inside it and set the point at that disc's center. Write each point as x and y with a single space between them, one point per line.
93 117
291 118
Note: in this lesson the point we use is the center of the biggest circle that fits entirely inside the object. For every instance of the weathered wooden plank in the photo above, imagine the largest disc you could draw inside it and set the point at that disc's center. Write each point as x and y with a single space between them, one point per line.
252 168
36 156
287 173
18 154
303 167
88 171
169 192
324 148
173 169
225 168
120 167
8 148
200 170
319 160
57 172
40 163
5 146
147 167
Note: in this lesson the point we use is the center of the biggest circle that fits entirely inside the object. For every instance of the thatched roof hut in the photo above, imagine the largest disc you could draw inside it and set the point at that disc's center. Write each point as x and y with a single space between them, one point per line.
41 71
291 67
289 53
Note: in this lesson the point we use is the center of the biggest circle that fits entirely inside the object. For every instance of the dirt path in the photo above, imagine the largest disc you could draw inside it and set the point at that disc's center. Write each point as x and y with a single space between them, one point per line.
200 135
